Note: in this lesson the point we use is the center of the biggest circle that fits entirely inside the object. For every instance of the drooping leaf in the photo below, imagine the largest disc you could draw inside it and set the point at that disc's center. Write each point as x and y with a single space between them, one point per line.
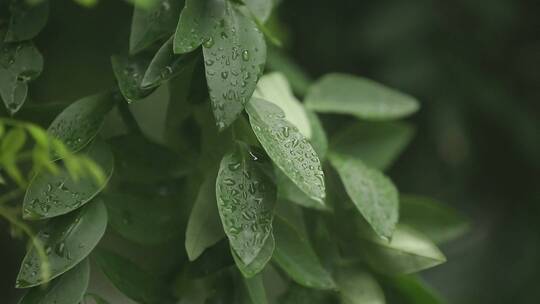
204 227
67 241
27 20
150 25
361 97
258 264
130 279
129 73
246 198
234 59
260 8
78 124
296 257
67 289
287 147
414 291
438 222
377 144
50 195
274 87
373 194
357 286
255 290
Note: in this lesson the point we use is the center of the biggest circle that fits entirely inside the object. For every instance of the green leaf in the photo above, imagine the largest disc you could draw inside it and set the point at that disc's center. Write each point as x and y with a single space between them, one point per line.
131 280
50 195
377 144
97 299
129 73
287 147
246 198
414 291
67 241
255 290
262 9
373 194
27 19
356 286
296 257
67 289
204 227
234 59
409 251
211 261
437 221
198 22
144 220
318 140
280 62
300 295
361 97
78 124
13 142
150 25
259 263
166 65
290 192
274 87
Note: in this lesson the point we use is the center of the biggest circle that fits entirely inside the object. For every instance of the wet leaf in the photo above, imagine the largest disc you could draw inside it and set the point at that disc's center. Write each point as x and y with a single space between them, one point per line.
357 286
246 198
129 73
361 97
373 194
291 193
67 241
27 20
287 147
67 289
50 195
258 264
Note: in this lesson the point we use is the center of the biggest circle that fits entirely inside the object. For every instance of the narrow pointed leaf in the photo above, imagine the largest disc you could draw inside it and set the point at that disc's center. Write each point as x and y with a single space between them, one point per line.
258 264
260 8
67 241
50 195
255 290
357 286
27 20
361 97
373 194
129 73
246 198
67 289
287 147
296 257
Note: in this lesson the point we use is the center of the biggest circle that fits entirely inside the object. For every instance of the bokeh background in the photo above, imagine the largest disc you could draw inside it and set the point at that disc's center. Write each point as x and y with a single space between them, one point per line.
473 64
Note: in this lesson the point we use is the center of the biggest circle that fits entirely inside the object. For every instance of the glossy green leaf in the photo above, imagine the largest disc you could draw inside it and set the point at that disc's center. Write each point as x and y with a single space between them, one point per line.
27 19
260 8
144 220
204 227
78 124
150 25
129 73
131 280
409 251
67 241
255 290
373 194
274 87
357 286
361 97
295 256
287 147
437 221
258 264
198 22
234 59
377 144
50 195
246 198
67 289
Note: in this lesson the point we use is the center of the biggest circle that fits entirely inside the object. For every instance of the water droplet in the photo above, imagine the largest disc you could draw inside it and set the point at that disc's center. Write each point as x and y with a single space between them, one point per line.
245 55
209 43
224 74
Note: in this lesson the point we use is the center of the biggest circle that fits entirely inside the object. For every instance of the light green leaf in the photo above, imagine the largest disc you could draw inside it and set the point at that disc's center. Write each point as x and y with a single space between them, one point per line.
78 124
255 290
260 8
150 25
357 286
50 195
409 251
204 227
318 140
361 97
129 73
437 221
198 22
377 144
246 198
274 87
131 280
67 241
13 142
234 59
296 257
287 147
373 194
27 19
259 263
67 289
